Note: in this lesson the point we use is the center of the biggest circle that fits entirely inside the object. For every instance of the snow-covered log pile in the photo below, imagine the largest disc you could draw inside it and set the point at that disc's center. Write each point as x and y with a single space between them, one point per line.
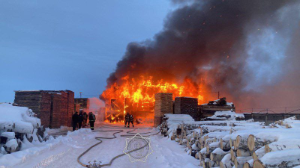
18 124
226 115
239 144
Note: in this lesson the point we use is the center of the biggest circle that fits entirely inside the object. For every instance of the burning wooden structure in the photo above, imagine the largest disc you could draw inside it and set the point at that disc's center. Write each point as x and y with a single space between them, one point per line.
138 96
53 107
163 103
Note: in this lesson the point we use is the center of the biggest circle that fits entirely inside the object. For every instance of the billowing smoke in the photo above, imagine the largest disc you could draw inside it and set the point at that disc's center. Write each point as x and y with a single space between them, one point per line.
246 49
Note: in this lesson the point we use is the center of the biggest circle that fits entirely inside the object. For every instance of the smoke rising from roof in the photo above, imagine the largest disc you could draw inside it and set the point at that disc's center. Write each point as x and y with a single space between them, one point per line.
247 50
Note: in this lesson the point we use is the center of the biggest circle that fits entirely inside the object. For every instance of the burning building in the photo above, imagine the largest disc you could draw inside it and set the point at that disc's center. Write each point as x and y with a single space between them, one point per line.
138 95
207 46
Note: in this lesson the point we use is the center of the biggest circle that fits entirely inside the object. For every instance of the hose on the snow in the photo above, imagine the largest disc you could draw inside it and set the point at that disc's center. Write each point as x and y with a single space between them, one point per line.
129 134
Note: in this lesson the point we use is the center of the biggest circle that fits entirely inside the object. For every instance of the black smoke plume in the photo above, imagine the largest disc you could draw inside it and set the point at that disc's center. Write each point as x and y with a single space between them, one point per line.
246 49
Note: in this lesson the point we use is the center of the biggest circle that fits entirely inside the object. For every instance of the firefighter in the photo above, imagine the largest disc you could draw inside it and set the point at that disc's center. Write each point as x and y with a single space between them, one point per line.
130 120
92 119
80 119
85 118
127 119
110 118
75 120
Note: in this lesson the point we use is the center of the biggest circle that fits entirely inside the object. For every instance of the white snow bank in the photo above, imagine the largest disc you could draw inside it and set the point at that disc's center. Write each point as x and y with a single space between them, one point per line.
179 117
292 121
277 157
285 144
13 144
74 139
173 120
19 119
9 135
266 134
225 115
219 151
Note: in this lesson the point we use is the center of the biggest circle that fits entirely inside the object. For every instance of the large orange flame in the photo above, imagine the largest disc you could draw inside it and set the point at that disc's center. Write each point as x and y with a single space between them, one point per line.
144 90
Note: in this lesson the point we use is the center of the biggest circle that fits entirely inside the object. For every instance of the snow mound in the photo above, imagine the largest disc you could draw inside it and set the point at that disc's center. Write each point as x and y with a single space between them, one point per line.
179 117
19 119
292 122
226 115
173 120
274 158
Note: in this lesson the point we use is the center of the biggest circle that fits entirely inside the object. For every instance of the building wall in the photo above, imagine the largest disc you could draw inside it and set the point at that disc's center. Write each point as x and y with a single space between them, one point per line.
76 107
54 108
83 102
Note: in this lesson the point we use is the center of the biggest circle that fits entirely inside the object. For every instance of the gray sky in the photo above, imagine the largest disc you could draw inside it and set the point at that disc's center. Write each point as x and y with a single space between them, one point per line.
68 44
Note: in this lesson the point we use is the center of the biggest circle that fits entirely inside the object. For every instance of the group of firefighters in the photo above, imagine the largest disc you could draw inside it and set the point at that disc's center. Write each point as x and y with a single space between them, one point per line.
81 120
128 120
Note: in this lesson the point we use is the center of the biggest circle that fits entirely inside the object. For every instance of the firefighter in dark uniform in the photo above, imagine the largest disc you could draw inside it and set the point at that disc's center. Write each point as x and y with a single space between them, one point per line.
80 119
127 119
92 119
75 120
85 118
130 120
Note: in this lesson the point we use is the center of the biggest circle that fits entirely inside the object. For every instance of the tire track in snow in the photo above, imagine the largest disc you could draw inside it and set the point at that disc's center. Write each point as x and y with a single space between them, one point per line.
50 159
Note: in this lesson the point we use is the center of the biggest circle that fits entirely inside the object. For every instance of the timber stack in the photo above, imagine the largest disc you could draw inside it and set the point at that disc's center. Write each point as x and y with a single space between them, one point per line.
239 144
187 105
54 107
163 105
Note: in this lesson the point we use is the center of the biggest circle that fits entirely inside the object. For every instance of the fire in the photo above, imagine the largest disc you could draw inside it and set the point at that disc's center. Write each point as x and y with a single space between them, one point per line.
143 90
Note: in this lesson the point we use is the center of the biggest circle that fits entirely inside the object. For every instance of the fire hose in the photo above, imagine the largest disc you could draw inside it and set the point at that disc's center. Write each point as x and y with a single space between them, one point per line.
129 134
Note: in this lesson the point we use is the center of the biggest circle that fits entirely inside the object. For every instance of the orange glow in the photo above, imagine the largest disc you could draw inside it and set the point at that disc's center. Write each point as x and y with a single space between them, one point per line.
143 90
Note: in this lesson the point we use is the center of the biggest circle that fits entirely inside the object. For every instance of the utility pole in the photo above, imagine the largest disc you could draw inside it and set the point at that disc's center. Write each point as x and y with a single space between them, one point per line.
80 94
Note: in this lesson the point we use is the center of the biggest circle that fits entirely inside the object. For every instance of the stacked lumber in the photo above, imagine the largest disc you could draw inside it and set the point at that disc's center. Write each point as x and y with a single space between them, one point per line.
239 144
70 107
54 108
163 105
56 117
187 105
63 108
37 101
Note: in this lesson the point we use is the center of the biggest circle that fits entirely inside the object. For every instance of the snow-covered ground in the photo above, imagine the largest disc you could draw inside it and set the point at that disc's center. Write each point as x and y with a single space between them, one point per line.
64 150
